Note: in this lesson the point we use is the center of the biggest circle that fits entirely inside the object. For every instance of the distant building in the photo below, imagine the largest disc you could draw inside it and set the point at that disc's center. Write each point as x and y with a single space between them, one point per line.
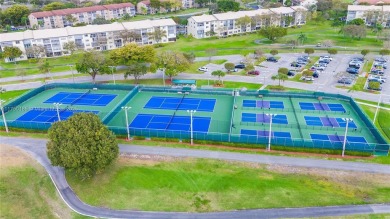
144 7
225 24
60 18
98 37
371 14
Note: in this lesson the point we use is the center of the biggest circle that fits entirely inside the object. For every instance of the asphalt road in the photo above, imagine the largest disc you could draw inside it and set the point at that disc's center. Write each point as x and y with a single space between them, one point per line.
37 148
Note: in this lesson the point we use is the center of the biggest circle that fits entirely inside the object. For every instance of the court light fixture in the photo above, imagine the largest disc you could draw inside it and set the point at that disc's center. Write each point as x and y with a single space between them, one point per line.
191 112
271 115
347 120
126 108
57 105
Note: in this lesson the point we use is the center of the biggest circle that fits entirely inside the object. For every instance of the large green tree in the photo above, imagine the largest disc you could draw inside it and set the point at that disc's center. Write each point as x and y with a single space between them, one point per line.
172 62
280 77
273 33
14 14
309 51
227 5
365 52
82 144
135 57
93 63
384 52
12 53
54 6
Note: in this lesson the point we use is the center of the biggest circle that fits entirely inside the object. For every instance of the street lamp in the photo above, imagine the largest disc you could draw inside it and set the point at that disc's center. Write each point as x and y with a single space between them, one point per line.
191 112
71 69
57 105
112 72
271 115
377 108
2 113
165 67
345 134
126 108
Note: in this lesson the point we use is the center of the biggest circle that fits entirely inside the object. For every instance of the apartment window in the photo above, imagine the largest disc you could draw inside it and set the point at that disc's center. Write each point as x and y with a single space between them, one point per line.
17 42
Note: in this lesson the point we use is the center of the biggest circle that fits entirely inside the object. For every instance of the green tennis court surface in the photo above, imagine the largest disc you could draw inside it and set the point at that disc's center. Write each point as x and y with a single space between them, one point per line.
297 120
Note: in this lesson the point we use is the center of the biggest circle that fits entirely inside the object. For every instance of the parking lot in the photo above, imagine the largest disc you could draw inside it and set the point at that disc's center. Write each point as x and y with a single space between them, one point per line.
327 80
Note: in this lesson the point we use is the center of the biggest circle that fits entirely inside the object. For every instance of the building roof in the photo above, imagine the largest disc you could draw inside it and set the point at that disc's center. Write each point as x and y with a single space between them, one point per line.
28 34
282 10
145 2
363 7
70 31
298 8
374 2
204 18
63 12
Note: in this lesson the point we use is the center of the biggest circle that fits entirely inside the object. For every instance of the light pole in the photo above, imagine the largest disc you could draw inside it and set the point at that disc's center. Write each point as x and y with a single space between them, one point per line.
2 113
71 69
270 130
165 67
345 134
125 108
191 112
377 108
112 72
57 105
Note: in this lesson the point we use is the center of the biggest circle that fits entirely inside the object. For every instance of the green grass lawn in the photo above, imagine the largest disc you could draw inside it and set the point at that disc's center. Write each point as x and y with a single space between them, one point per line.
212 185
367 66
231 84
168 15
359 84
381 121
10 95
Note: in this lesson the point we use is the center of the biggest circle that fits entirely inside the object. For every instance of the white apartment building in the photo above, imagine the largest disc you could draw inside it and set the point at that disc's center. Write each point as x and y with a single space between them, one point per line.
371 14
225 24
59 18
99 37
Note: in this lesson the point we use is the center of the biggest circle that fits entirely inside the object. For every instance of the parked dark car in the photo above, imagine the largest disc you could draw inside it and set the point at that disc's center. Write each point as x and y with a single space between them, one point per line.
272 59
291 73
315 74
254 72
294 64
345 81
240 66
352 70
327 61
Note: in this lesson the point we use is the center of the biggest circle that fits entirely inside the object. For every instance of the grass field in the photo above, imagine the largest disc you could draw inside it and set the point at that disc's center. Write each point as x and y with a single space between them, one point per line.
359 84
26 189
210 185
168 15
10 95
381 121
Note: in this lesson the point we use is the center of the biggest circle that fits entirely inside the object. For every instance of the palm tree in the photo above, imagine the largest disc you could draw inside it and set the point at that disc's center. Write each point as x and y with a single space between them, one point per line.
280 77
158 34
302 38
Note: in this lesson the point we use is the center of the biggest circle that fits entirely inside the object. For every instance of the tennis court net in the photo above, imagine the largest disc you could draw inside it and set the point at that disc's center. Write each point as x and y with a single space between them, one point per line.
174 113
80 97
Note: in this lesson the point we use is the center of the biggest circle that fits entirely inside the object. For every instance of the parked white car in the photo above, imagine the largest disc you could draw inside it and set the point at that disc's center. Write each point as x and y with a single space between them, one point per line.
203 69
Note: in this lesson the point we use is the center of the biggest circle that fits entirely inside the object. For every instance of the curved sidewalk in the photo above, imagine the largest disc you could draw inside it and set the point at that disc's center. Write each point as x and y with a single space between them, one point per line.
37 148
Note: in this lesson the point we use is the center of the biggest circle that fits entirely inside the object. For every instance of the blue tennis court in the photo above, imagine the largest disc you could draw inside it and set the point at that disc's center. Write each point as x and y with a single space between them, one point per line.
263 118
169 122
328 121
48 115
181 103
263 104
322 106
81 98
263 133
338 138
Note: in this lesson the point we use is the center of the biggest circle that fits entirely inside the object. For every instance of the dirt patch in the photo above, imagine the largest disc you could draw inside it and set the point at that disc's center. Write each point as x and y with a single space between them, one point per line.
145 159
14 157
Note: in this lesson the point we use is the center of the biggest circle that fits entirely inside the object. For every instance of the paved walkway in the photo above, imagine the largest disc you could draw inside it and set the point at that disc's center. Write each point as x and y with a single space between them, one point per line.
37 148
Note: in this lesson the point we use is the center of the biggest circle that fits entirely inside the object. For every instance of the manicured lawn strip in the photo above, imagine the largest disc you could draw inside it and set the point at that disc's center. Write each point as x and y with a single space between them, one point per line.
372 102
9 95
381 122
367 66
175 186
231 84
313 59
282 88
360 82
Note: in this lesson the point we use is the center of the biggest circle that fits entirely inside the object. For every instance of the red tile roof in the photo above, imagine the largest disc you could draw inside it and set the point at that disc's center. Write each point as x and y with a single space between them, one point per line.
146 2
68 11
